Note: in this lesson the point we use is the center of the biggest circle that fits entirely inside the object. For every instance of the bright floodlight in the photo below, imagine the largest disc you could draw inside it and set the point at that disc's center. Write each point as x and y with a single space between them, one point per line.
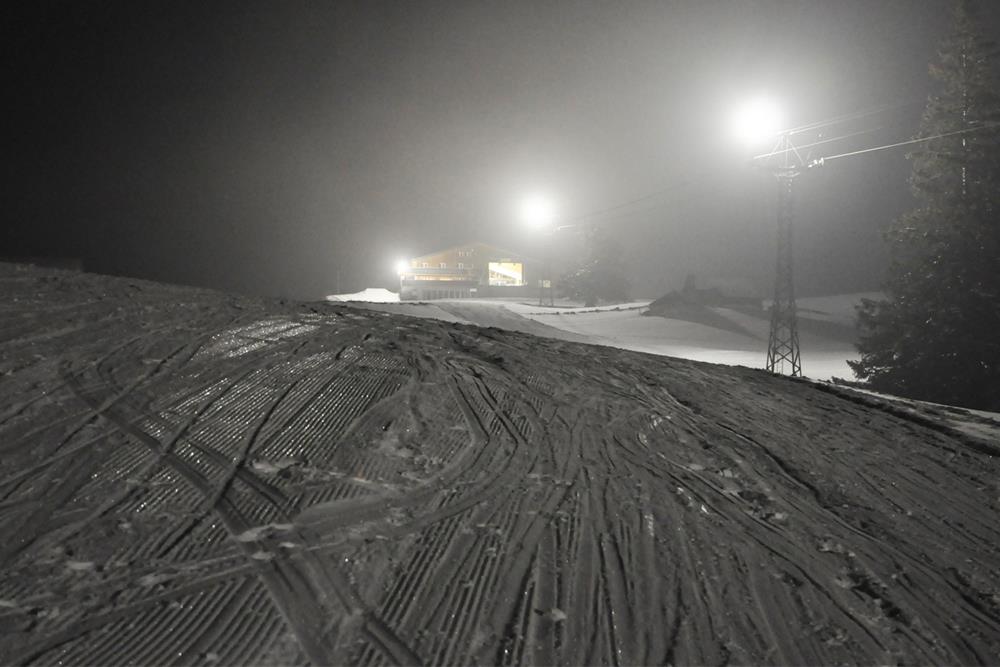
537 211
756 121
402 266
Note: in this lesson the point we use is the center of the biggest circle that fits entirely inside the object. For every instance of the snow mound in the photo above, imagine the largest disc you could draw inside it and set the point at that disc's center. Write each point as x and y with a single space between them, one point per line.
371 294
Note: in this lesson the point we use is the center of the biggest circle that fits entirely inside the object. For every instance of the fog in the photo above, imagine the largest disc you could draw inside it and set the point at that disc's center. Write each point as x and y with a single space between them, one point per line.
297 149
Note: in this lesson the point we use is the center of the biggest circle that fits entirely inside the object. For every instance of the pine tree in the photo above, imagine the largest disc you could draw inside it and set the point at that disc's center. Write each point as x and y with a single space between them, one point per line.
937 335
601 277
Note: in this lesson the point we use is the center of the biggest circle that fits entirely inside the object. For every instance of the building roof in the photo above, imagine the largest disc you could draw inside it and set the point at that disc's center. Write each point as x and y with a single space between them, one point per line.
478 245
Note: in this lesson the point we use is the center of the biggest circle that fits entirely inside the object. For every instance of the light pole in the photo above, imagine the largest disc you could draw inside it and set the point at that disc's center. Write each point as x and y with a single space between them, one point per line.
550 241
756 121
538 212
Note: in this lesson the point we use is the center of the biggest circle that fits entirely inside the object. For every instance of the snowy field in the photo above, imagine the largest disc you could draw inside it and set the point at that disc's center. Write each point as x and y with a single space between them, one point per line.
826 328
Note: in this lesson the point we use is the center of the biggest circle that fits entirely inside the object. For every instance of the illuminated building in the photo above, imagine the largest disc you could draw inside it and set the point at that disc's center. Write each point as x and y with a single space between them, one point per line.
467 271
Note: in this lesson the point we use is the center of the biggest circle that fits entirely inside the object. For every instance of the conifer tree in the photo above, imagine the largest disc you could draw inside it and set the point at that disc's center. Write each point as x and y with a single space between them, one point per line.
601 277
937 334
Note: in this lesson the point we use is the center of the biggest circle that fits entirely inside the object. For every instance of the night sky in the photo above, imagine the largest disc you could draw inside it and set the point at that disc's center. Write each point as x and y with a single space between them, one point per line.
286 148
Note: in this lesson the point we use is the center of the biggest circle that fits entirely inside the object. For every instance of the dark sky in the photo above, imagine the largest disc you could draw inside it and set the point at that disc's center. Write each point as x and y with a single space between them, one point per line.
265 147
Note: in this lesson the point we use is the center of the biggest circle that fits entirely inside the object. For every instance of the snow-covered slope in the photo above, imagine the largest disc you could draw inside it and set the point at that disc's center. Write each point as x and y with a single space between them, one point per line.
370 294
190 477
826 330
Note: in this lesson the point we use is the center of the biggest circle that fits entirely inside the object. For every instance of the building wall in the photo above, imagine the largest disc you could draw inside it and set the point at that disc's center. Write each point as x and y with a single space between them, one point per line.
463 272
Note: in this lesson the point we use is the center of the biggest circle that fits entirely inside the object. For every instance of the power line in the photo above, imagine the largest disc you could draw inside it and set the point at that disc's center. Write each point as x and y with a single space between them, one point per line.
620 210
910 142
632 202
850 116
815 143
692 181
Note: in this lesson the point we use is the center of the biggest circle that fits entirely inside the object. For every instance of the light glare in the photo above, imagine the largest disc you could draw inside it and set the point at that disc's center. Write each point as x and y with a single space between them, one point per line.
757 121
537 211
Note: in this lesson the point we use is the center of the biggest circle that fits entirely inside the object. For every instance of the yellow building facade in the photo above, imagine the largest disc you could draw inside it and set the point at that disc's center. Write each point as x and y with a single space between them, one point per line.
466 271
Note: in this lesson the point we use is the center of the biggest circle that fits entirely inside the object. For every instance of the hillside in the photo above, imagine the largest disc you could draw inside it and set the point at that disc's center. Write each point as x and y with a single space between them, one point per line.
719 335
191 477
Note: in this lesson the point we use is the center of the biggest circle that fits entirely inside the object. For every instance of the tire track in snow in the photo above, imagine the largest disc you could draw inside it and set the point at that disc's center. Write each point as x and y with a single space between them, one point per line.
454 495
288 599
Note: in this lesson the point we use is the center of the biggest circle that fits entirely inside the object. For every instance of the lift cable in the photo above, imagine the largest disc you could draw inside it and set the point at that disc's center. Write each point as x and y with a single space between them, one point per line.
620 209
816 125
690 181
919 140
816 143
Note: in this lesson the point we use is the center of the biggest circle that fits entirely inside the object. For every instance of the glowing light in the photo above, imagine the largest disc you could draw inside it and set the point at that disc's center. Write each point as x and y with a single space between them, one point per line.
537 211
402 266
757 121
510 274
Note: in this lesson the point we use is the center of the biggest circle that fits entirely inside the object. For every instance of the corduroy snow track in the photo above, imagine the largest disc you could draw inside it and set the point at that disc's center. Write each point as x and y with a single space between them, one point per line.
190 477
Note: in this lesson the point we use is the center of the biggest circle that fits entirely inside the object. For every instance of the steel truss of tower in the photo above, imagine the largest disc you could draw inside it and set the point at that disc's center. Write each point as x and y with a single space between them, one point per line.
783 342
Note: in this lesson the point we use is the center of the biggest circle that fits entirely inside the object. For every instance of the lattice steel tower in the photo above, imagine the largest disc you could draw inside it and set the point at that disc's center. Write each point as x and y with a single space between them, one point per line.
783 341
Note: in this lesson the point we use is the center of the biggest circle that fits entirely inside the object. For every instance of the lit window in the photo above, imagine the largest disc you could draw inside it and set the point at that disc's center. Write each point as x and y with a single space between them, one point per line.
506 274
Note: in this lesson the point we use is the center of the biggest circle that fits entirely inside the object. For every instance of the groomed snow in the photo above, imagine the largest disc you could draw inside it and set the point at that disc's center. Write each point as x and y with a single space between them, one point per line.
191 476
826 327
371 294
